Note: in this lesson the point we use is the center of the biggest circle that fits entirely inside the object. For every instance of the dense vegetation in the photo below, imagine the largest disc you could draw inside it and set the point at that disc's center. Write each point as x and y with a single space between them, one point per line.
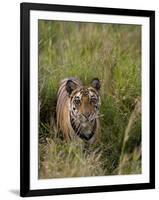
111 52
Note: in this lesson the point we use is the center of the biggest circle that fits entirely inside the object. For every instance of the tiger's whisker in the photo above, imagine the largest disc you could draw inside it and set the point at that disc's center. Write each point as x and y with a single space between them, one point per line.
96 117
78 130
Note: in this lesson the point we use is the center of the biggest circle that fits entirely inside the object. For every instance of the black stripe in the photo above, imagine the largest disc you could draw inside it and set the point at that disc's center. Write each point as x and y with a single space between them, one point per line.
93 90
75 126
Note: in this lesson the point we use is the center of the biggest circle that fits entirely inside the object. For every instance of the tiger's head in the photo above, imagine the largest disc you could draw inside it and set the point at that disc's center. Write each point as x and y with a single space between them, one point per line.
84 107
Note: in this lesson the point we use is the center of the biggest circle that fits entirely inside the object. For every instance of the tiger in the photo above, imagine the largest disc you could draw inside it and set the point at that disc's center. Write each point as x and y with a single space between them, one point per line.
77 109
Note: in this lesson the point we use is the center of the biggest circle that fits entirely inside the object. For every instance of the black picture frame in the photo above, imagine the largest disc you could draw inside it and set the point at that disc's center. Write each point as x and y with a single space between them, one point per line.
25 9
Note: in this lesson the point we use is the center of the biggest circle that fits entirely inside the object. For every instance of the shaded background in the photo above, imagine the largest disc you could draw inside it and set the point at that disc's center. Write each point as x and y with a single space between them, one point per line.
112 53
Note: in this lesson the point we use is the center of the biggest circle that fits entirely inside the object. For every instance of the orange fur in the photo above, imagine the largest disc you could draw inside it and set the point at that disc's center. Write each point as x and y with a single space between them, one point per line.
62 112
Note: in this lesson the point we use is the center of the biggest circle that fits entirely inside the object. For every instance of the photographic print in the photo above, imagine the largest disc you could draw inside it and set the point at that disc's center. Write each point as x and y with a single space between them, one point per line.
89 99
87 86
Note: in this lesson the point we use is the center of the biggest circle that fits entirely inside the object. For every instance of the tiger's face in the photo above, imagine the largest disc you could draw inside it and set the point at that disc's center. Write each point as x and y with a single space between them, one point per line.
84 104
84 107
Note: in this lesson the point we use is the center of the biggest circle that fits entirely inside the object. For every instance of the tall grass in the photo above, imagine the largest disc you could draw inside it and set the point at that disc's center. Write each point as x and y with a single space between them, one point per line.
111 52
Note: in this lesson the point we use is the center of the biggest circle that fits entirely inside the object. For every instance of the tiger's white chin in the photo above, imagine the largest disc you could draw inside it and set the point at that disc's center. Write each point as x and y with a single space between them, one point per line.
86 128
86 125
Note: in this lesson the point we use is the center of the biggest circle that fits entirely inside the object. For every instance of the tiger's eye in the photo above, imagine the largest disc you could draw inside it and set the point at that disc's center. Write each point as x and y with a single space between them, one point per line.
93 100
77 101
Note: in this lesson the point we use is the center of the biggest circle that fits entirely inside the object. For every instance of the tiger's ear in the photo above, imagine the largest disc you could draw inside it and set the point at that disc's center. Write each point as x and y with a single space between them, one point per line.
95 83
70 86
